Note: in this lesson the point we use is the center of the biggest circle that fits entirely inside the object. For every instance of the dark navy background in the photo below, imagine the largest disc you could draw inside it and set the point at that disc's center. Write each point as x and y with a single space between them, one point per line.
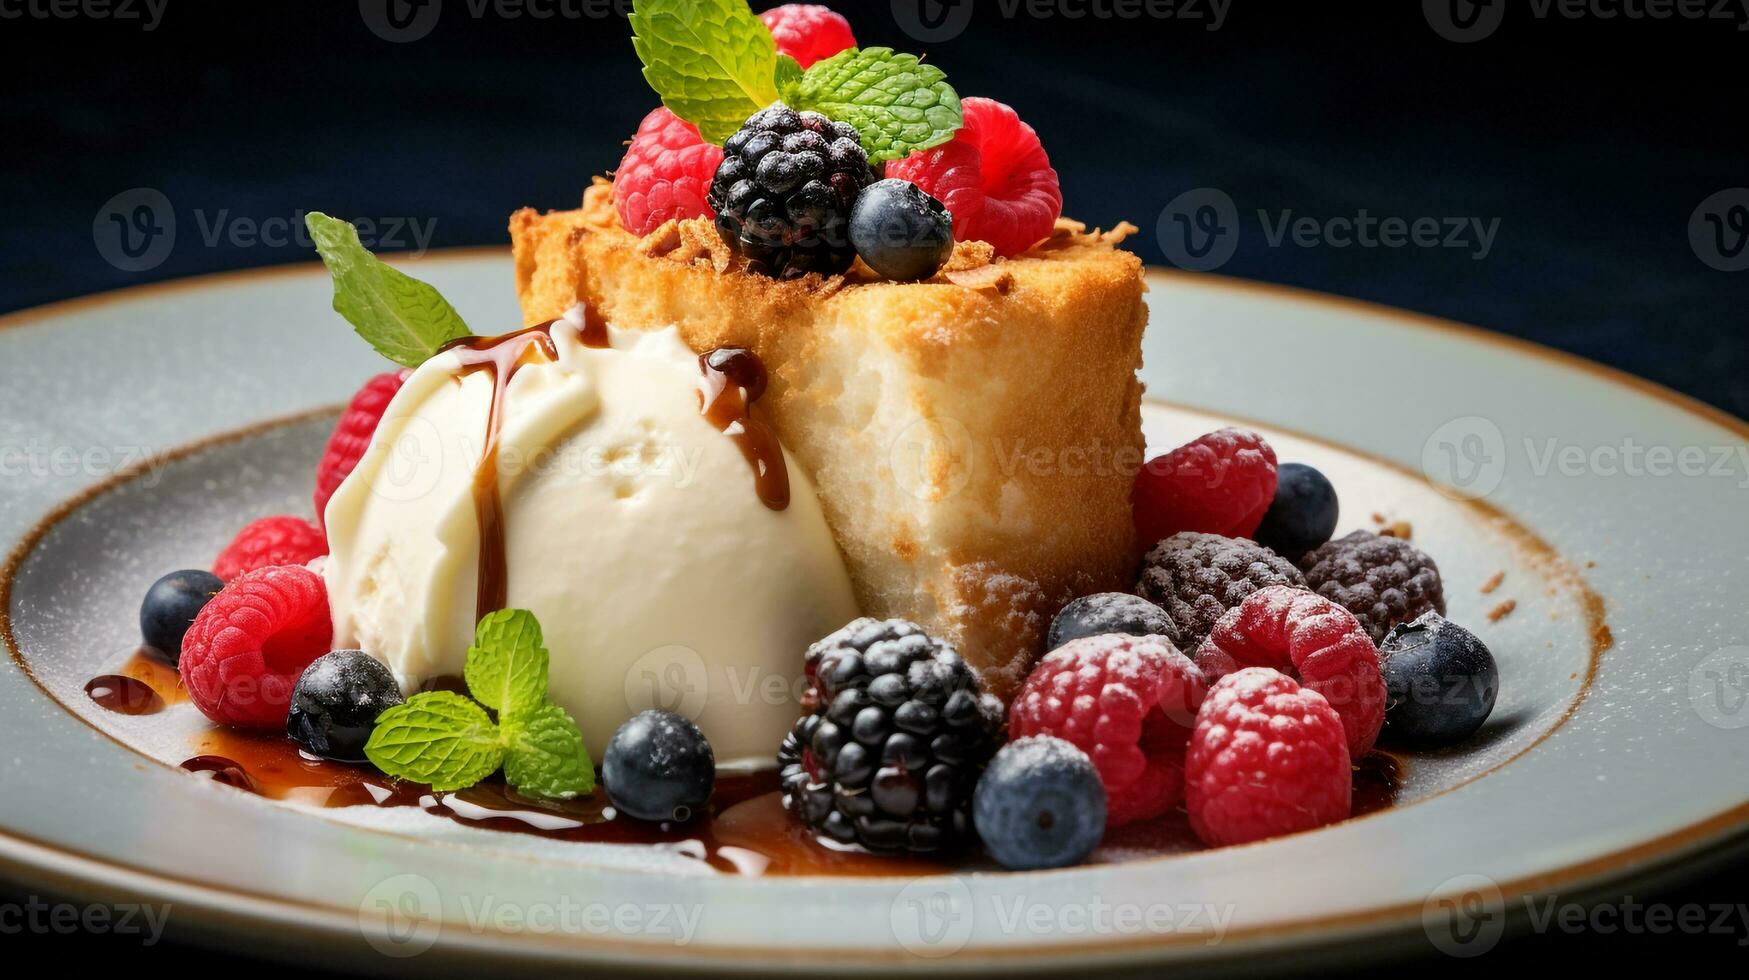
1590 141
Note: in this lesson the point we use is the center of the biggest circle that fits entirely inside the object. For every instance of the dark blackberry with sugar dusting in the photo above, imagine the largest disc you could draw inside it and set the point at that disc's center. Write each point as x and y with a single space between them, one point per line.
1197 577
784 192
897 733
1383 581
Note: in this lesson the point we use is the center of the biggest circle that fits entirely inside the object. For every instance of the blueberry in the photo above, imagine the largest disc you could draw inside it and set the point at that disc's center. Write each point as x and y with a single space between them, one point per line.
170 607
659 767
336 703
900 231
1039 805
1441 680
1109 612
1303 514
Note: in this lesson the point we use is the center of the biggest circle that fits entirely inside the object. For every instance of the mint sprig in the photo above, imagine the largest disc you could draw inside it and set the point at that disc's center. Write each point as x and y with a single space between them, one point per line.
714 64
899 104
712 61
448 742
406 320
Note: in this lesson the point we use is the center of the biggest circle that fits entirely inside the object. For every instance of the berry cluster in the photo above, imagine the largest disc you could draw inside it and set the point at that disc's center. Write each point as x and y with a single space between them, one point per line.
1233 684
794 192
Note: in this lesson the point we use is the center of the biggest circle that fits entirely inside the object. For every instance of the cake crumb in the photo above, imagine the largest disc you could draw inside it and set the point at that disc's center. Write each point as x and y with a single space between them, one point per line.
1400 529
1590 563
1493 582
1502 611
990 278
1378 518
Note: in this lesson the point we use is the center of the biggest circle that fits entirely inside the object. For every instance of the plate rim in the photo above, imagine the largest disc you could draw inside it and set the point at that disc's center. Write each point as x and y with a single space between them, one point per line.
98 874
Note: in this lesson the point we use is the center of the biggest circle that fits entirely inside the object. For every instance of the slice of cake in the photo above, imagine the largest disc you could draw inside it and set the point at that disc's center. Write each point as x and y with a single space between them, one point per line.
973 437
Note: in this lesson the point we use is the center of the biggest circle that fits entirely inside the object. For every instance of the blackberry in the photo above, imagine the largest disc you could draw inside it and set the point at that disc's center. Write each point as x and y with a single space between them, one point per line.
892 749
1197 577
784 192
1382 581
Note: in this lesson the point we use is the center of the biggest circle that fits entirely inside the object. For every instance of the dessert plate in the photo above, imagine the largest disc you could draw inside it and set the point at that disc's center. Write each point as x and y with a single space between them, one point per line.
1589 525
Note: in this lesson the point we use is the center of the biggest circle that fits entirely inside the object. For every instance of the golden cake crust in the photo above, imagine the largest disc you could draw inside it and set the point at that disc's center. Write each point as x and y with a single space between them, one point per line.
973 437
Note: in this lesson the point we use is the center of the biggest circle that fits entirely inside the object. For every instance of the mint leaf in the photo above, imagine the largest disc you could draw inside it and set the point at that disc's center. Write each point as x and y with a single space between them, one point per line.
899 104
789 72
506 669
544 754
406 320
712 61
438 738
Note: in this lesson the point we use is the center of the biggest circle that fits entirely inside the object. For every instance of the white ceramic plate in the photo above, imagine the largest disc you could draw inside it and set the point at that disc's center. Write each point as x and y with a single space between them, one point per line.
1614 508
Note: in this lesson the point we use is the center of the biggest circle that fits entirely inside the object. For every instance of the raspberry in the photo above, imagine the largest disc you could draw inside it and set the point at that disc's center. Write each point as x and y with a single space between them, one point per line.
1196 578
897 733
1221 483
1267 758
352 435
1128 702
994 177
665 175
1382 581
1312 640
808 32
249 645
784 191
282 540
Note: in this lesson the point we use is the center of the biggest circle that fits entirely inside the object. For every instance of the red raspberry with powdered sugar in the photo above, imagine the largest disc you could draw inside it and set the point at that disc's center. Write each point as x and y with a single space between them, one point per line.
665 175
1267 757
1129 703
994 176
248 645
1311 639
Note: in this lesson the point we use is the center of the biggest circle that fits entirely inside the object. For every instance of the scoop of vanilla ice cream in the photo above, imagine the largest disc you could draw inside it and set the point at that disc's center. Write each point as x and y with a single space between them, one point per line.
632 531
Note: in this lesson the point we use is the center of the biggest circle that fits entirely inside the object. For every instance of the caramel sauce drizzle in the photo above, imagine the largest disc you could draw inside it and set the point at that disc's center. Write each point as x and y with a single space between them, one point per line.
731 379
501 357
